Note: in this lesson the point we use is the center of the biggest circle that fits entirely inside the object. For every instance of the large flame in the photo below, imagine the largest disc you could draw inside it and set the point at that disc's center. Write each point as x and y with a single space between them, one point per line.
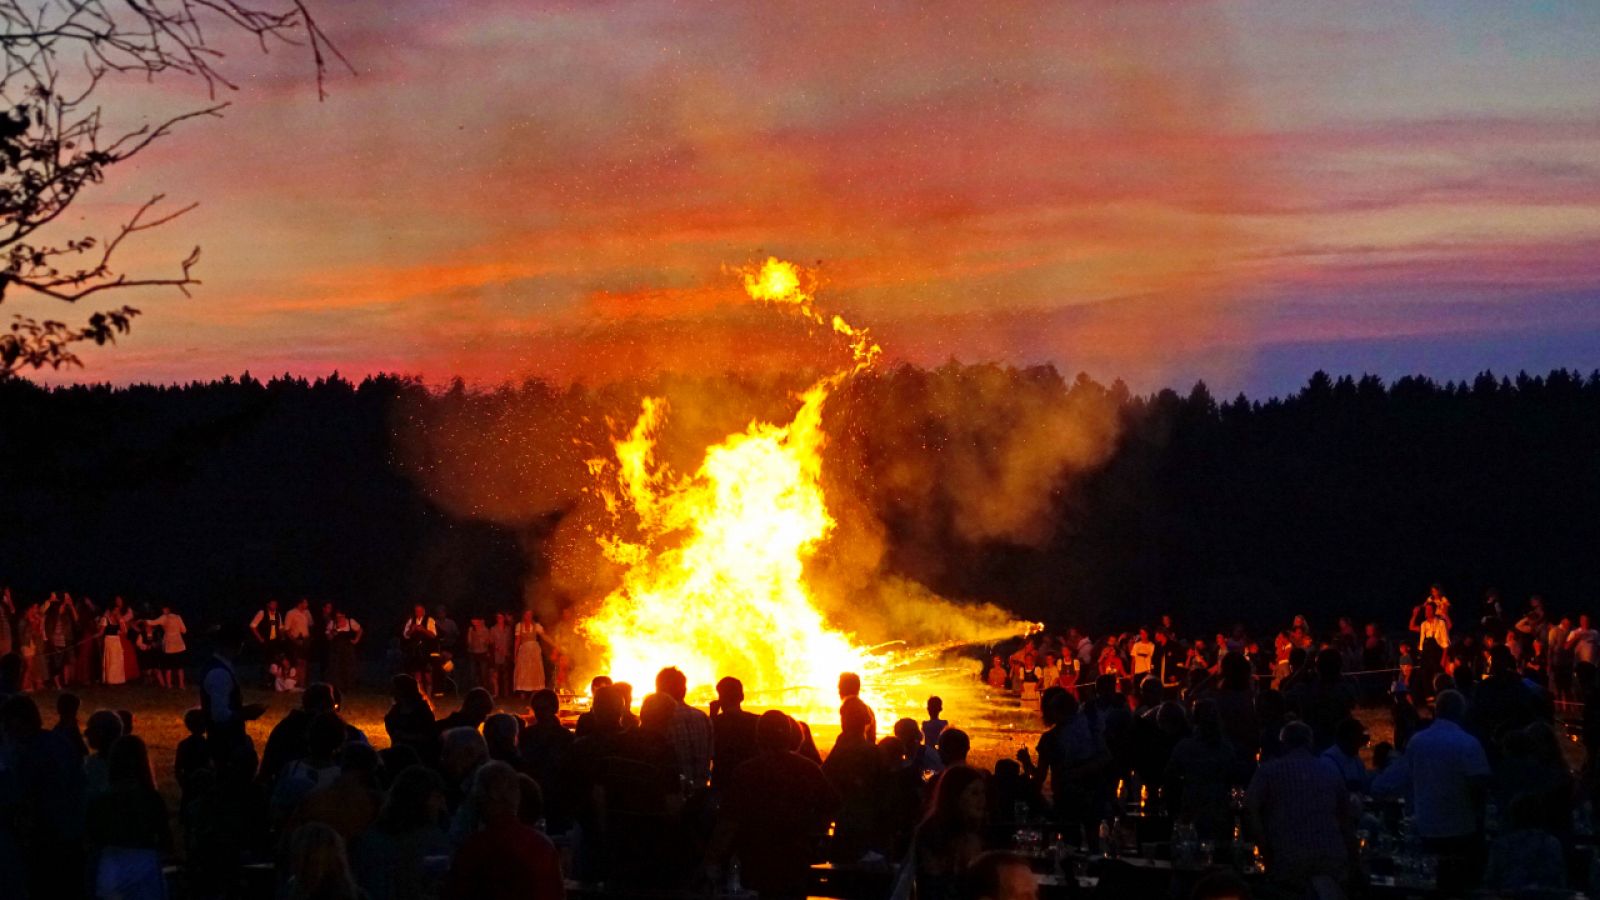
714 578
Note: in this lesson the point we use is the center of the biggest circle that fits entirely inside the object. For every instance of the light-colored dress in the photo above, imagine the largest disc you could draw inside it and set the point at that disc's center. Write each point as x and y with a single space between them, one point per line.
529 674
113 669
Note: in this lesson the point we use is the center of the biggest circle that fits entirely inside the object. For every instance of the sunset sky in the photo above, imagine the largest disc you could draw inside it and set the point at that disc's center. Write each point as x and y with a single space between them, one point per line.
1242 191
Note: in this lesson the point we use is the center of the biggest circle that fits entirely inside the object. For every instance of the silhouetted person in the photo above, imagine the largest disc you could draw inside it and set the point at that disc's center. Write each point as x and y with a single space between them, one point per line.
388 858
287 740
1300 807
1501 702
856 769
954 745
953 834
642 800
505 859
44 788
1326 701
1071 758
774 809
1202 768
690 731
1446 772
733 732
475 707
850 696
67 706
191 756
582 775
545 742
222 701
409 721
586 720
128 826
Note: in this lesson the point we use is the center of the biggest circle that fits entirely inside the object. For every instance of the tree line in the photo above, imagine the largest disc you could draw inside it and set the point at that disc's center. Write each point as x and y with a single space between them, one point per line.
1065 500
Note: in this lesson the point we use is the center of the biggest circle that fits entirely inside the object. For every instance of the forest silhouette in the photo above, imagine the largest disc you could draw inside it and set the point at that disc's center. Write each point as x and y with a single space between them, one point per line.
1346 498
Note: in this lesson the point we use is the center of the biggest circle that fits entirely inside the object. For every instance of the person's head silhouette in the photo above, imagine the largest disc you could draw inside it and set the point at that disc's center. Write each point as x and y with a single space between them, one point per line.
730 694
672 682
849 685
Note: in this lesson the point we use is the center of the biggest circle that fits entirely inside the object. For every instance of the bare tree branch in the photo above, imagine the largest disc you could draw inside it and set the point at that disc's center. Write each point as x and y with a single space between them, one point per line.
54 58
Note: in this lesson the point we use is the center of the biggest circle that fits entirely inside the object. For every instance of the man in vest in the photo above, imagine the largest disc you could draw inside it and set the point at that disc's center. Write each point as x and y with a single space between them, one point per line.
267 629
223 703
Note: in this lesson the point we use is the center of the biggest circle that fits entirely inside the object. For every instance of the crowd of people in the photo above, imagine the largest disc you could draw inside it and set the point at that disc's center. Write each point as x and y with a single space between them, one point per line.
1558 654
1238 735
1210 740
63 642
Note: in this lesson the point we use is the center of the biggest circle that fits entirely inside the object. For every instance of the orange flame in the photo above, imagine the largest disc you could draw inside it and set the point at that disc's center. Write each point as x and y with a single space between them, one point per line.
714 577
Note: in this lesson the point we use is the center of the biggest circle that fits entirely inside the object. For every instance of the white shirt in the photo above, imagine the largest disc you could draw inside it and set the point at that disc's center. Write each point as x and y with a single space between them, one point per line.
350 625
172 630
1439 766
1142 651
1435 629
297 623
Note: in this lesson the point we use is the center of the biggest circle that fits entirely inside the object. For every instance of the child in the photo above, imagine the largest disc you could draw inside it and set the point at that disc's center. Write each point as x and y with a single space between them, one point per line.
192 755
934 727
1406 667
284 677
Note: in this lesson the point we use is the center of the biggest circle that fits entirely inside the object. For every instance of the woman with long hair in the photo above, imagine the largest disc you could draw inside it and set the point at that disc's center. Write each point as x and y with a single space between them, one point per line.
128 827
952 834
403 854
410 721
318 866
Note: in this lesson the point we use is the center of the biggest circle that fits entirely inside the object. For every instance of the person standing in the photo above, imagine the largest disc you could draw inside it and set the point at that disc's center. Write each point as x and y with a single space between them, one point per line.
35 646
480 654
529 674
1584 642
343 634
419 636
1143 653
86 644
61 620
114 658
1445 769
267 628
1300 807
297 634
174 652
320 629
850 696
1433 639
500 640
222 703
